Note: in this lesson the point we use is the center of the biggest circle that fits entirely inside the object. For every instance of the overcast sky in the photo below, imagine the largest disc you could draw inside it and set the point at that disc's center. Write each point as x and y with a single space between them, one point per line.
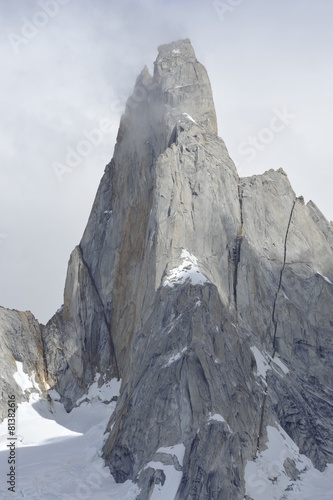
67 66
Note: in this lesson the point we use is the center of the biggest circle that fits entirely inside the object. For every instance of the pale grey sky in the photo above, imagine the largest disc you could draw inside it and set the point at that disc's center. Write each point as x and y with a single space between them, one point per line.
69 65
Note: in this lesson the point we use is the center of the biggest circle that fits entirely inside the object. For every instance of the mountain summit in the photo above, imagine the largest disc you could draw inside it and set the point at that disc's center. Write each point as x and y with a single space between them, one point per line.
209 295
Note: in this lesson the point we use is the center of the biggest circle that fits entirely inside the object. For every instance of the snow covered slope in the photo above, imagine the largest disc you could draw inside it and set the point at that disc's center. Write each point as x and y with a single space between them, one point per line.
281 472
59 457
59 454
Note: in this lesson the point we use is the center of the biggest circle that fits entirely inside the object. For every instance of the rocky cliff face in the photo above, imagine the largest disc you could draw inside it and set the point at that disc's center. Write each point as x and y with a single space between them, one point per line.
21 357
210 296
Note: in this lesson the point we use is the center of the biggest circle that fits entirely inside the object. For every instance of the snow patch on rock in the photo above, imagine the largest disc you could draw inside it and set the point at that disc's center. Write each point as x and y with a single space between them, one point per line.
23 380
175 357
188 270
177 450
106 392
265 362
189 117
171 483
217 417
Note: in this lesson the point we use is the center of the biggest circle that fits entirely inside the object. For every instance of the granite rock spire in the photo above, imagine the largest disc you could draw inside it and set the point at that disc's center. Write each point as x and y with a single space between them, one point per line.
209 295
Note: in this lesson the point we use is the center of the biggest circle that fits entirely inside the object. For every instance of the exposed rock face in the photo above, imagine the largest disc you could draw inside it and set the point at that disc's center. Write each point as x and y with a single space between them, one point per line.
186 278
113 274
20 340
286 259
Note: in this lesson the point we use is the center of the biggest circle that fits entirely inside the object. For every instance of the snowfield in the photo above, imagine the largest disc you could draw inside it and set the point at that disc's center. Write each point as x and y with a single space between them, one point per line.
58 454
266 477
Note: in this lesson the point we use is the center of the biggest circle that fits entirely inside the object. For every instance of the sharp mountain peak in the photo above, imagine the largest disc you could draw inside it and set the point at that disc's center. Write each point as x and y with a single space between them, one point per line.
209 295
